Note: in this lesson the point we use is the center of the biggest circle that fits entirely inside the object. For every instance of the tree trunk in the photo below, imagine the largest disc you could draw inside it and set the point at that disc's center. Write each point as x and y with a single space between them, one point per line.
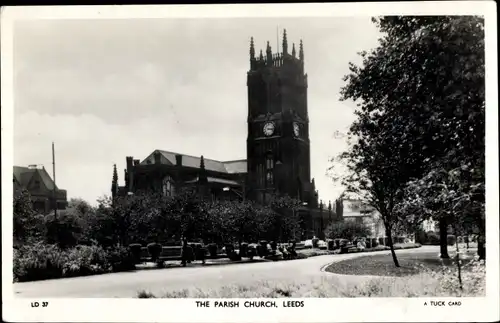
443 235
481 247
391 245
458 256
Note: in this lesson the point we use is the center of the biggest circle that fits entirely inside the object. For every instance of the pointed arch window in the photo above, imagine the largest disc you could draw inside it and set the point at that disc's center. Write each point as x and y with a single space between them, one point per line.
269 169
168 186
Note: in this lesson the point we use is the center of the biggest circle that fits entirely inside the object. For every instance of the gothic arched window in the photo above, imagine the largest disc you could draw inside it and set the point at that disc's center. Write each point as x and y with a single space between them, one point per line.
269 169
168 186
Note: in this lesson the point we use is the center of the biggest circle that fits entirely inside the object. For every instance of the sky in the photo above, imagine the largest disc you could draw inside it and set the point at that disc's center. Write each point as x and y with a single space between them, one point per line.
102 90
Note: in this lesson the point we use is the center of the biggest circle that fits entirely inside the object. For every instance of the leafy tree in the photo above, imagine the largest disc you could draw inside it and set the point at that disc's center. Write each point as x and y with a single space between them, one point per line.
339 207
286 220
28 225
421 99
446 194
346 230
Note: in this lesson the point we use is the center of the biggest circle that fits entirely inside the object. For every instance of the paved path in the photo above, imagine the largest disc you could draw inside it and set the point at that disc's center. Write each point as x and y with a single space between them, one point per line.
126 285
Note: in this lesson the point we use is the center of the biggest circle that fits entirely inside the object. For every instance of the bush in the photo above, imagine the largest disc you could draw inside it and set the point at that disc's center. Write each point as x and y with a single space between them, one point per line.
451 239
154 250
136 251
85 260
432 238
38 261
42 261
212 250
244 249
120 259
262 249
200 252
187 254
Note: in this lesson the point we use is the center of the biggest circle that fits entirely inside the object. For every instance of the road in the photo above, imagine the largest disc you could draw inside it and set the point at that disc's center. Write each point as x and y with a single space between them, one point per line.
157 281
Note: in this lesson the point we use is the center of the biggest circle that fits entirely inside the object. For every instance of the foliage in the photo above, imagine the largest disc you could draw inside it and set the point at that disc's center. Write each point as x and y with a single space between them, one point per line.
212 250
421 99
63 229
28 225
154 250
286 221
120 259
346 230
38 261
136 251
47 261
85 260
428 238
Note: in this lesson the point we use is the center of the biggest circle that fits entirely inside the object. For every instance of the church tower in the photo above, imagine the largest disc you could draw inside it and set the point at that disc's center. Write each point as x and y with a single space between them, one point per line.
278 152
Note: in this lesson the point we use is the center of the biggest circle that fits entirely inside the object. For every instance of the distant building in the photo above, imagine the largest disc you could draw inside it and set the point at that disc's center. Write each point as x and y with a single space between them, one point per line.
277 145
356 211
169 172
430 225
41 187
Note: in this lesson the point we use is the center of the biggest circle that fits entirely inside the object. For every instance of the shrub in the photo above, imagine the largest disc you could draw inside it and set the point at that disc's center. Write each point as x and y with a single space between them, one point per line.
120 259
42 261
212 250
187 253
200 252
154 250
421 237
243 249
432 238
85 260
136 251
451 239
38 261
262 248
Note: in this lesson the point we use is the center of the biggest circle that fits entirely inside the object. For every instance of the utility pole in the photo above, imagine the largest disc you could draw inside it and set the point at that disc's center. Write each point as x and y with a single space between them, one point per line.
54 177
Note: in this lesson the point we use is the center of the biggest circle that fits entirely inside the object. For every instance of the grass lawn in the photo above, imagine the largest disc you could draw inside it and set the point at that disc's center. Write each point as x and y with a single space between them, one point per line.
383 265
396 282
420 285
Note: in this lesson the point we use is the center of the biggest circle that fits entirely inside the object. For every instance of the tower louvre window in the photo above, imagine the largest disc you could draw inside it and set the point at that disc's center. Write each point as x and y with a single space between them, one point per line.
269 169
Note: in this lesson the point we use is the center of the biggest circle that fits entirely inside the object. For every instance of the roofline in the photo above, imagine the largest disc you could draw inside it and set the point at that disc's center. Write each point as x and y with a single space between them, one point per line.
172 152
234 161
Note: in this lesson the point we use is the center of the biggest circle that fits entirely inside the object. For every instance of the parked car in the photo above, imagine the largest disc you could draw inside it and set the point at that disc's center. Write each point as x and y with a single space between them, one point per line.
308 243
322 245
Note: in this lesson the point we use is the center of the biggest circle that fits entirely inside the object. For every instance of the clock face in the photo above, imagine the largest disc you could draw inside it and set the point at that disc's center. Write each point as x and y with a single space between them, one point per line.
296 129
269 128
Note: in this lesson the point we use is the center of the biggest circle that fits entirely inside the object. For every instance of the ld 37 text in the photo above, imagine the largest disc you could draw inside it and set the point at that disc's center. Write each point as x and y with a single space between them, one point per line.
37 304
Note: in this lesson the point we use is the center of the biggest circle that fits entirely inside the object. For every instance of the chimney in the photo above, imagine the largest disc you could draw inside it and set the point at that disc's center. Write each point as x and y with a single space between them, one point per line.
178 160
157 157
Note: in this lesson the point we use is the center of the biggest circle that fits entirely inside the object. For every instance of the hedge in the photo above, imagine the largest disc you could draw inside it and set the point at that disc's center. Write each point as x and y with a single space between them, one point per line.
47 261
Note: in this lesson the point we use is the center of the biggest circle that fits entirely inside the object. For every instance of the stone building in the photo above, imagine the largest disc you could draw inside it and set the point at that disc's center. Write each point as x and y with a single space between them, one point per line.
278 146
42 189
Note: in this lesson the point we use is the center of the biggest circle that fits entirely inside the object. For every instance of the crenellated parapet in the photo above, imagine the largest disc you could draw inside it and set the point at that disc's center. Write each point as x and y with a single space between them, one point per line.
276 60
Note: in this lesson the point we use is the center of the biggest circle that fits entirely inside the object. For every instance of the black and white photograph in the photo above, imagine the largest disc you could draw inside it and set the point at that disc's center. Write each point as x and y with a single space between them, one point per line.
251 164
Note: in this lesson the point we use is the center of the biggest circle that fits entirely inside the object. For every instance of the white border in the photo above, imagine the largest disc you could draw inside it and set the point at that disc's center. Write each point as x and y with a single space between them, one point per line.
316 310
